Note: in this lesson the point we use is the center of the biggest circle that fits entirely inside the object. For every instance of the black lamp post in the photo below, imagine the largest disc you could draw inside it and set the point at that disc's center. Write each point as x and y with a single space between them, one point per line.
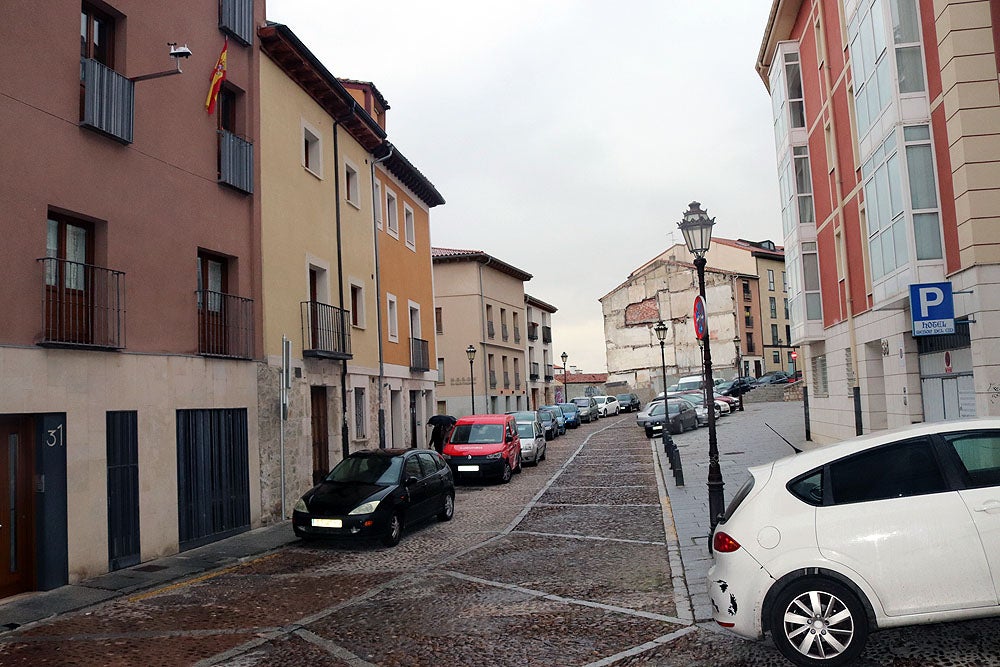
661 332
697 229
739 369
564 357
470 352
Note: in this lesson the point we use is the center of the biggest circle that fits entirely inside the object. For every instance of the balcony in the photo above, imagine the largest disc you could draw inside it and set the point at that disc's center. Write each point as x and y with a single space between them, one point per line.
517 334
549 373
747 296
504 332
236 18
748 321
493 379
491 331
235 162
533 331
517 380
534 372
225 325
82 305
108 101
546 334
326 331
420 360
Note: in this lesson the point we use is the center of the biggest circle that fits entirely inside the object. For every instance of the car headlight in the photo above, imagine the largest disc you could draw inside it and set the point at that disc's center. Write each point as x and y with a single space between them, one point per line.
367 508
495 456
527 445
300 506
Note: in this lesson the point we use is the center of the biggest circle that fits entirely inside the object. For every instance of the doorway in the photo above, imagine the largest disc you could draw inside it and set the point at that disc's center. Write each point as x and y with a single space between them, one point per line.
17 507
320 434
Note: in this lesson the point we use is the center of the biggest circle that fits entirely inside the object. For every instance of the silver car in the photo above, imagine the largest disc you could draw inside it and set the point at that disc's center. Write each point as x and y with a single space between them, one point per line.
588 408
532 441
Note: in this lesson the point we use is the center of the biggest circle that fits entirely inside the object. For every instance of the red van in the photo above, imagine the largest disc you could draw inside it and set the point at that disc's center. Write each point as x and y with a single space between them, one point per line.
484 446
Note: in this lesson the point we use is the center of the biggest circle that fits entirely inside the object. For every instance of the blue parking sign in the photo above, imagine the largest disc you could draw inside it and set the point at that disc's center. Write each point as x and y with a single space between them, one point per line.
932 308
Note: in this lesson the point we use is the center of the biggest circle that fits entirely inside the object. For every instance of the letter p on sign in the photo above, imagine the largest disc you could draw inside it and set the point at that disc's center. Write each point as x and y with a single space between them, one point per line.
930 297
932 309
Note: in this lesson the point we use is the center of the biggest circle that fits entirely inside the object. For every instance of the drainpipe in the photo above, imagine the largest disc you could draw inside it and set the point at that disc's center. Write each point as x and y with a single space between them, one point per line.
482 334
344 439
378 304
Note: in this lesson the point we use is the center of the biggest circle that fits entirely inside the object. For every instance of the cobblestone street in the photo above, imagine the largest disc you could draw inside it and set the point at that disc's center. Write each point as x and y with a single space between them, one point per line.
580 560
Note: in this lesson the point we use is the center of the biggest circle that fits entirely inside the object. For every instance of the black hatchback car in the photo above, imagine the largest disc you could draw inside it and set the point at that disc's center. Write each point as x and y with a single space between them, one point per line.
374 494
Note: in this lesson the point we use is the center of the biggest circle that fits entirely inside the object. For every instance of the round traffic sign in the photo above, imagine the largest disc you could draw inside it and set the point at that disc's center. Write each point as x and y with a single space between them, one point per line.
700 317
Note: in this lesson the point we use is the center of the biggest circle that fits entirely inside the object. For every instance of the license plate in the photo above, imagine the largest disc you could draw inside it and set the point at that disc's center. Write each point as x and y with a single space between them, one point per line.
327 523
468 468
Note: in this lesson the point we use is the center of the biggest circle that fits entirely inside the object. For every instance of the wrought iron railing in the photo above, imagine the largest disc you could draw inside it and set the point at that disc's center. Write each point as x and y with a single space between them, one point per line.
493 379
534 371
108 100
225 325
236 18
517 334
546 334
82 304
326 331
235 161
517 380
504 332
533 331
506 380
490 329
420 359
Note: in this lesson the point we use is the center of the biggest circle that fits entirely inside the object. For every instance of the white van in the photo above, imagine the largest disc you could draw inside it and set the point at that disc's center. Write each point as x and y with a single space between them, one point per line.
690 382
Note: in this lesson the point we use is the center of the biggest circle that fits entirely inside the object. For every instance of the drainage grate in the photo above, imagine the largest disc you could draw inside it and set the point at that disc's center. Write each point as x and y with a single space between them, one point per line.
149 568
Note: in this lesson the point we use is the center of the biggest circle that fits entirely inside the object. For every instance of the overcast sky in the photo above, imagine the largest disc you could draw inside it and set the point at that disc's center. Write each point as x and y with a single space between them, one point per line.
568 137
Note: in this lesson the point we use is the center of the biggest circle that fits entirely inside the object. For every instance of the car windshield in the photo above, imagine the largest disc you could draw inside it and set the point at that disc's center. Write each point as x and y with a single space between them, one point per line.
657 409
526 429
623 398
367 469
477 434
582 402
569 406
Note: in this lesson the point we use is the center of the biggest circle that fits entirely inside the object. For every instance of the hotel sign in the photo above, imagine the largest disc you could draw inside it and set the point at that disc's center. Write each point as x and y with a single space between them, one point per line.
932 308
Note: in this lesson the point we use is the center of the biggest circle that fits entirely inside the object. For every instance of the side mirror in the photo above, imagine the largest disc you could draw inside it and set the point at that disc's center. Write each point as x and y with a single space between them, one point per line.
411 480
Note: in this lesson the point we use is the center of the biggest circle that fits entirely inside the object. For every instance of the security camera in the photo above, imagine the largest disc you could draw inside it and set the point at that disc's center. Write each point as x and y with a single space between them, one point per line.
179 51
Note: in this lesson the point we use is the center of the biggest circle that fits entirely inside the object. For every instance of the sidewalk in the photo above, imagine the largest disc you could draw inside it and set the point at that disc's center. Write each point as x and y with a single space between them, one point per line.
31 607
744 441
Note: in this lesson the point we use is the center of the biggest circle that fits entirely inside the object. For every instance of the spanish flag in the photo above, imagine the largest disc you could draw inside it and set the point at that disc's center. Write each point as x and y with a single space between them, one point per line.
218 76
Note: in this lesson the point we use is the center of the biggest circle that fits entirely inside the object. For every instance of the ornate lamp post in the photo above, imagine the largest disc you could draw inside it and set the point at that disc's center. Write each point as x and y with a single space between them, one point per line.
661 332
739 368
697 229
470 352
564 357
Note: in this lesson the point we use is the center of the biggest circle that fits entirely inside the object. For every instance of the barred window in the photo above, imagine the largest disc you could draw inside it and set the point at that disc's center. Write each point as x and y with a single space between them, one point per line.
360 412
819 380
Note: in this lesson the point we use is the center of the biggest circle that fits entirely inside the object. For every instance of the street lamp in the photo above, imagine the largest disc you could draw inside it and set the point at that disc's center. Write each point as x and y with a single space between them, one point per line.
661 332
564 357
697 229
470 352
739 369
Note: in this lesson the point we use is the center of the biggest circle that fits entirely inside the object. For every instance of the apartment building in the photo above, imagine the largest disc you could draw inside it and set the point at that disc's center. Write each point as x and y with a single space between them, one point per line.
132 286
480 366
540 358
886 118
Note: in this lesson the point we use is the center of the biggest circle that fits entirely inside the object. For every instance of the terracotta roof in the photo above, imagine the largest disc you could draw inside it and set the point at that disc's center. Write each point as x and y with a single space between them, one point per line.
440 255
375 91
538 303
584 378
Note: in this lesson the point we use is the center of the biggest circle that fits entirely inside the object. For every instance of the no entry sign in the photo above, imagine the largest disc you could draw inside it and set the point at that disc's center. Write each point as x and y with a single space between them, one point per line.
700 317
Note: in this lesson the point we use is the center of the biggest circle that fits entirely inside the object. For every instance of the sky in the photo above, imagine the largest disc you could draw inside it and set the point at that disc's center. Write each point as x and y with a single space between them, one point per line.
567 136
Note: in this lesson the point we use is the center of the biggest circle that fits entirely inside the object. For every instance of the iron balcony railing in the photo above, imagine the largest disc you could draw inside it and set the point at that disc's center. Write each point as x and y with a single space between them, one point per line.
747 296
420 359
749 321
326 331
546 334
534 371
225 325
490 329
533 331
549 373
108 100
493 379
235 161
504 332
82 305
517 380
236 18
506 380
517 334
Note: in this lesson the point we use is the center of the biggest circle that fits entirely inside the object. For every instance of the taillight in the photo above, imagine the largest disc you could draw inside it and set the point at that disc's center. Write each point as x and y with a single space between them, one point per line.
723 543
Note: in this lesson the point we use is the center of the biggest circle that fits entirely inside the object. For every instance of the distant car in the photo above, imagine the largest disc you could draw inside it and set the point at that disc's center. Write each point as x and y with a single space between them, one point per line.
697 399
374 494
532 441
559 415
737 386
629 402
678 414
774 377
588 408
484 446
549 423
607 405
643 416
888 529
572 413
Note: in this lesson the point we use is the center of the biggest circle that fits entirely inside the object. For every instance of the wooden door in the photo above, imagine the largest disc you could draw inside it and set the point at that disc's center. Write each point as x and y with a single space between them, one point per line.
320 434
17 515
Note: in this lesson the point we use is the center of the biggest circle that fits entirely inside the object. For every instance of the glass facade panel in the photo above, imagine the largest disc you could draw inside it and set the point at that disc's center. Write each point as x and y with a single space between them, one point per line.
927 235
920 165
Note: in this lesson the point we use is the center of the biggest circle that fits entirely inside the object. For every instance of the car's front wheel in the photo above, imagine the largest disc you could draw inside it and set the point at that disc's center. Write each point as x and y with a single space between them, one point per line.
448 511
395 530
506 473
817 621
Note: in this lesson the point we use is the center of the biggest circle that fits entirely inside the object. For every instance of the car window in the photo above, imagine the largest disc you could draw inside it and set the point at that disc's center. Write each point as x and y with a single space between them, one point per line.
808 489
893 471
980 456
582 401
473 434
412 468
526 430
381 470
427 464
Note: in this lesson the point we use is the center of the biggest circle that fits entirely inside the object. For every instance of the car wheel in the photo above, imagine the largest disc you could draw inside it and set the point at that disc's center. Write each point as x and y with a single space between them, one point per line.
448 511
506 473
395 531
649 433
517 468
816 621
542 457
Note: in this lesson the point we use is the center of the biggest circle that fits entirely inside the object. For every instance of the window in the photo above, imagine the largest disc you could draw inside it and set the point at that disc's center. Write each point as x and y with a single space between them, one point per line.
311 151
923 191
793 78
392 320
784 282
808 489
884 209
76 292
750 346
409 230
357 305
774 335
97 36
894 471
873 89
438 321
440 377
351 186
906 36
774 306
360 413
979 454
213 285
378 202
786 308
770 280
776 357
391 213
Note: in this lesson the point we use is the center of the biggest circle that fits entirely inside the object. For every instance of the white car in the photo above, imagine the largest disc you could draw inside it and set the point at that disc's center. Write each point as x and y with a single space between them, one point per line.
607 405
532 441
889 529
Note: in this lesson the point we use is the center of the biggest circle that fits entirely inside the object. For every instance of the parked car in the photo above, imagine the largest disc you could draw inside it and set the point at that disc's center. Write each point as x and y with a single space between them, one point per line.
607 405
737 386
532 441
679 415
572 413
374 494
559 415
549 423
888 529
484 446
775 377
690 382
643 416
587 407
697 399
629 402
